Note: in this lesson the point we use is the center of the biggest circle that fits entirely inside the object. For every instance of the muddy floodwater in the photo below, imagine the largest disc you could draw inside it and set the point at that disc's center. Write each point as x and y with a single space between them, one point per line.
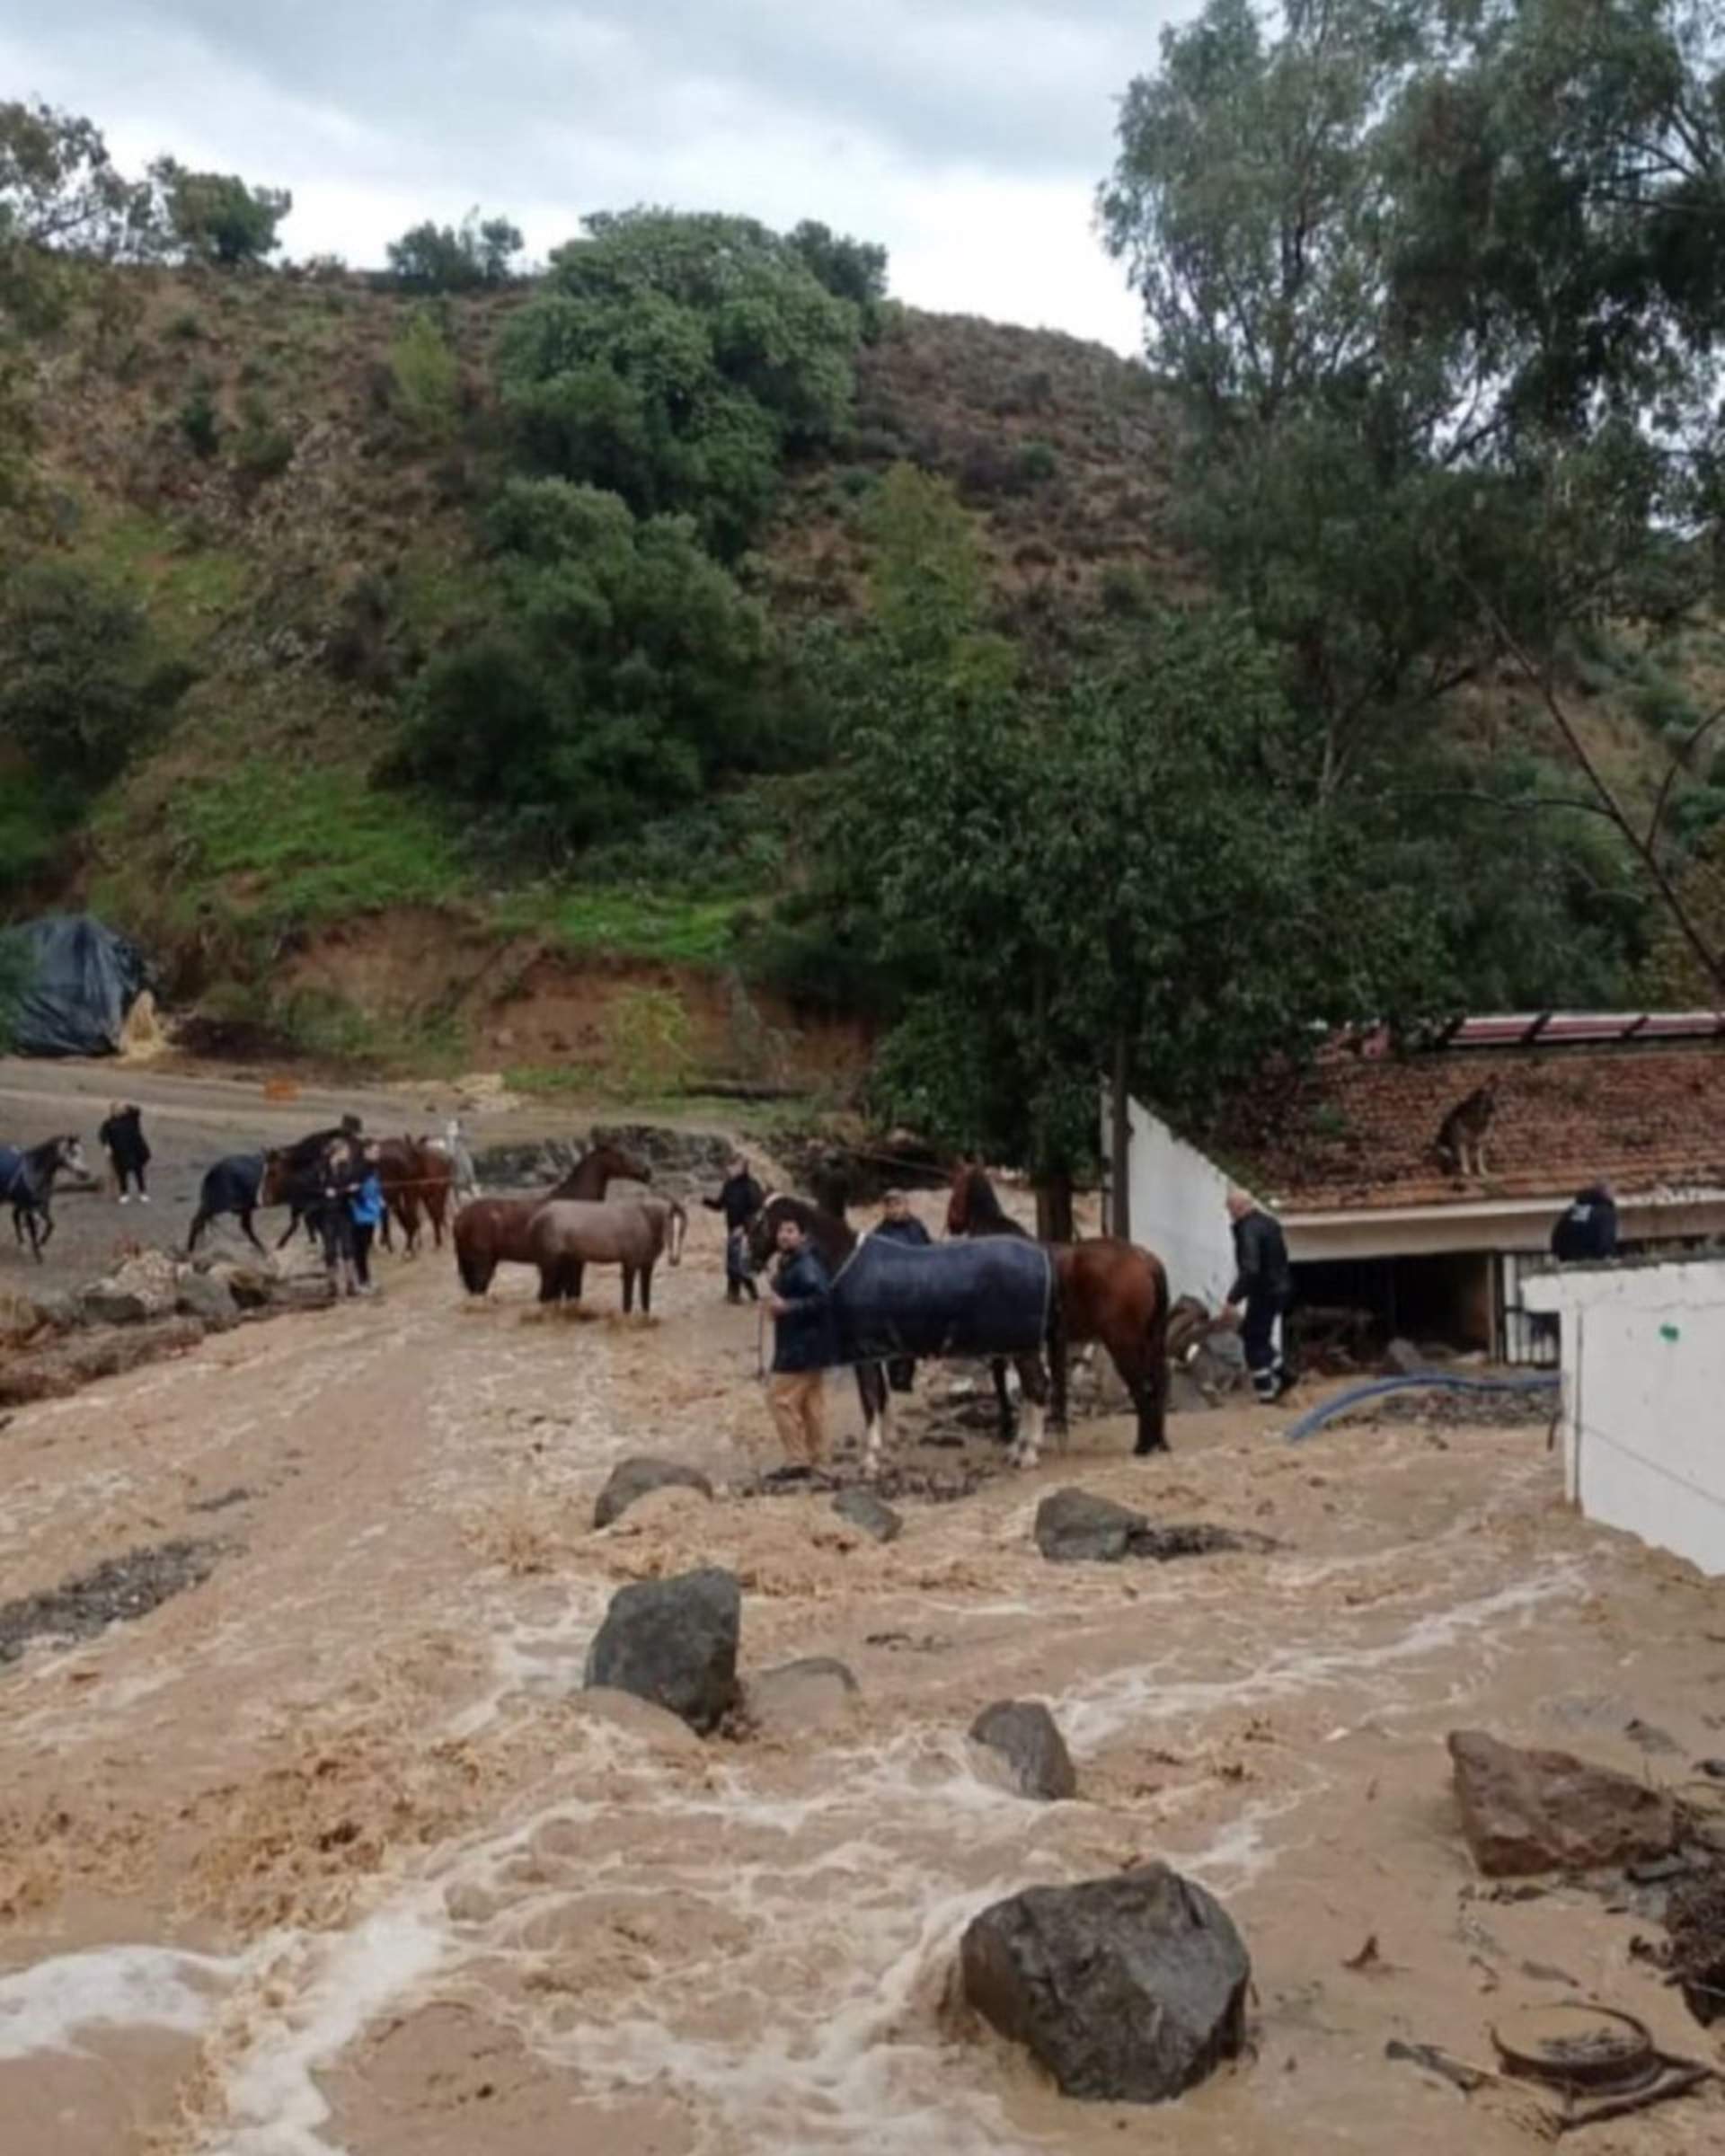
324 1852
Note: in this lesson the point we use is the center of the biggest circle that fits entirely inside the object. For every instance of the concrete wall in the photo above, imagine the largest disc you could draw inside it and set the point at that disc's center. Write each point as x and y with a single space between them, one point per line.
1643 1419
1179 1209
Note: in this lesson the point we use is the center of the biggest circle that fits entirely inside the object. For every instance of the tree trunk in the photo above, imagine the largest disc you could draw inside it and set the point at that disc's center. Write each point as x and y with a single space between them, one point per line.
1054 1208
1119 1146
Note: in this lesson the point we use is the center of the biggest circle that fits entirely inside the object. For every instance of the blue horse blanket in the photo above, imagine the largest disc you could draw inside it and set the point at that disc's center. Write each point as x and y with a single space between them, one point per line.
982 1298
15 1185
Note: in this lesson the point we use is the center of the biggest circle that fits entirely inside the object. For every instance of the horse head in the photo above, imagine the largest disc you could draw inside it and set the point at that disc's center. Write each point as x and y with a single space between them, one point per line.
616 1165
676 1226
68 1156
272 1184
972 1201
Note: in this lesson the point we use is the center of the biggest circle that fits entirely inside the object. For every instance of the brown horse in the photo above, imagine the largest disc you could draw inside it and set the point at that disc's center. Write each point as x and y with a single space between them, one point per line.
834 1239
1108 1291
568 1235
491 1231
414 1173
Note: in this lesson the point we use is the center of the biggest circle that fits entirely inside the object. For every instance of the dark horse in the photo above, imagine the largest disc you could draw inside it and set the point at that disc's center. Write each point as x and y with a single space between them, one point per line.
834 1239
26 1183
1108 1291
233 1185
491 1231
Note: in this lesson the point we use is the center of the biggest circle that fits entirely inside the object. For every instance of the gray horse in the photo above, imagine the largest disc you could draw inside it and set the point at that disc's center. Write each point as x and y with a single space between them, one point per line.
569 1234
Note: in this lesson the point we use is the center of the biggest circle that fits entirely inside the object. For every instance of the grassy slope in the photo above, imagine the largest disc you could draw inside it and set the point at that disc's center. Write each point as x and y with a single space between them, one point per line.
257 825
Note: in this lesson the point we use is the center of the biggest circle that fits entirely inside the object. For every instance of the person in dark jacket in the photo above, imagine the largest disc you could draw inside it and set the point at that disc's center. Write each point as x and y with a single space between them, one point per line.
340 1179
801 1307
1262 1291
898 1223
740 1201
122 1138
1587 1229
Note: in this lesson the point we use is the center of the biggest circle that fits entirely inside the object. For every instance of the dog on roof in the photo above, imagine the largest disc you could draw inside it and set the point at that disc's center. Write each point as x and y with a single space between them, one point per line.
1462 1132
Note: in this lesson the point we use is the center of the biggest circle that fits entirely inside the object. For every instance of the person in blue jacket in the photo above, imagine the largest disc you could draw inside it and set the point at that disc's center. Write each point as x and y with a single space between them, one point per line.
365 1201
800 1303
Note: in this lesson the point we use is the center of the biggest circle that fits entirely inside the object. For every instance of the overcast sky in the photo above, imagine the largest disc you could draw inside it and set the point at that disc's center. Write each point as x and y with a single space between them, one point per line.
968 135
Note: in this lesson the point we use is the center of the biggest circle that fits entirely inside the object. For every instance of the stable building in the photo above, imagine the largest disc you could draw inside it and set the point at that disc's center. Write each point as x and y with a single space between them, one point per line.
1423 1185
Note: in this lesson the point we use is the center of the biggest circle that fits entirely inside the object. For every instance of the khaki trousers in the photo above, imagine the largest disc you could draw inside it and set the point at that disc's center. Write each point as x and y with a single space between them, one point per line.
797 1400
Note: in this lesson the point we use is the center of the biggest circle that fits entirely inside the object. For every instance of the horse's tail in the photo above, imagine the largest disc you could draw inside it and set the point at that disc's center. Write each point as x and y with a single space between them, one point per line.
1155 1356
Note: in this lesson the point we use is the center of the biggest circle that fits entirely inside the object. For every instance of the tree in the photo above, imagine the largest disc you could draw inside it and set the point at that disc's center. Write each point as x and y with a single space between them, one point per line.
676 361
216 218
60 188
84 686
427 375
442 257
613 670
1436 288
852 269
1110 869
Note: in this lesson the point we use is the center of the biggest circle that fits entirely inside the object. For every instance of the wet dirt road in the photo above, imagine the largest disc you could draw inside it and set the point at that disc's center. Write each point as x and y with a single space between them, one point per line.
329 1854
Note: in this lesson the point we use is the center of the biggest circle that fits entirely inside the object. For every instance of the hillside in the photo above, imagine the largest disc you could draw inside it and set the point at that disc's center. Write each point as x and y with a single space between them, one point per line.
240 450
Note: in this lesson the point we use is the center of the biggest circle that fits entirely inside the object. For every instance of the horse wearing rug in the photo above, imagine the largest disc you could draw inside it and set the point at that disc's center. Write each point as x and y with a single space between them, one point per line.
1108 1291
890 1299
493 1230
568 1235
26 1183
233 1185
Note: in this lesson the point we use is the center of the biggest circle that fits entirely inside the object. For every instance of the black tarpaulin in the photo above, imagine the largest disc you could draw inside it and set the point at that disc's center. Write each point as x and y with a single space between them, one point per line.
80 980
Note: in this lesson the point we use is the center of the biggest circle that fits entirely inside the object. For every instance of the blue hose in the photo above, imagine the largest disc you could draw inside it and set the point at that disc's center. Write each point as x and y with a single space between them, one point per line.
1314 1419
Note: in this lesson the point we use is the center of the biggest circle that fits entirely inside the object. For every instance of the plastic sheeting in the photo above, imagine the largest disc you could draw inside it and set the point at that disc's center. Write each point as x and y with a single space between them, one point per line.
81 980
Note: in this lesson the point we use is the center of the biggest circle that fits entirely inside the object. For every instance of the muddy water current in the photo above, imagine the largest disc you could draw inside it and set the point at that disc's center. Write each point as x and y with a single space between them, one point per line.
328 1852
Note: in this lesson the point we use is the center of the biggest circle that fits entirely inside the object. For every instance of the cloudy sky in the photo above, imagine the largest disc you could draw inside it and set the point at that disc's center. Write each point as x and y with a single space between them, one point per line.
968 135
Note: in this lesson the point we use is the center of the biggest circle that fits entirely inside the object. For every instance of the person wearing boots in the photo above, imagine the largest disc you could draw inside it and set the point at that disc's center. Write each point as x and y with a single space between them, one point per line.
740 1201
1262 1294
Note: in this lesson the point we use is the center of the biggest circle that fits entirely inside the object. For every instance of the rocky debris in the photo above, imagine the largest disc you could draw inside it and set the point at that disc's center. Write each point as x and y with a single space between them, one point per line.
145 1286
206 1296
1447 1410
74 1360
1129 1990
632 1479
1403 1360
799 1696
1694 1921
60 1309
1023 1736
863 1509
1073 1528
674 1642
250 1287
116 1591
1548 1811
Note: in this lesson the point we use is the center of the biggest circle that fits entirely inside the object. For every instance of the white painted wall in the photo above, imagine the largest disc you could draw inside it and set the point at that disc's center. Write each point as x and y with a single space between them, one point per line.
1643 1415
1179 1209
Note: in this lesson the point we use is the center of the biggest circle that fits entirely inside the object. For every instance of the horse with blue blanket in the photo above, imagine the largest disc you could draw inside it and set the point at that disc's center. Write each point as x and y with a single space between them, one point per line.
892 1301
27 1182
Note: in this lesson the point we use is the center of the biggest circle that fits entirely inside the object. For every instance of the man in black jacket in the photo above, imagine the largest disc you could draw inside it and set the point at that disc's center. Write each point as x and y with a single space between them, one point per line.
1588 1230
1263 1288
802 1347
740 1201
898 1223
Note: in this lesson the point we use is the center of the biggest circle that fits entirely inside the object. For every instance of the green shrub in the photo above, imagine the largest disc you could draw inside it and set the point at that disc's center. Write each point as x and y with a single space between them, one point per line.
1034 464
649 1050
425 376
263 449
186 327
198 419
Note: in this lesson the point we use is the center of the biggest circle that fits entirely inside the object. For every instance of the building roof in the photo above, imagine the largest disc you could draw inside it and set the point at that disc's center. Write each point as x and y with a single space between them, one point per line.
1361 1128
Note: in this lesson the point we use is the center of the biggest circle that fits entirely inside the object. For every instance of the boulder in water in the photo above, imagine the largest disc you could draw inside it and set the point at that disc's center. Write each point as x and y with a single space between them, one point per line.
1022 1735
633 1479
1129 1990
205 1295
1073 1528
674 1642
872 1514
797 1696
1548 1811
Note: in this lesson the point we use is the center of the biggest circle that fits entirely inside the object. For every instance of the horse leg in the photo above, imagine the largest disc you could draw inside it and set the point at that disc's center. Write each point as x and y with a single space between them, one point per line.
199 1222
574 1274
871 1391
1003 1400
42 1237
1034 1380
246 1229
628 1289
646 1291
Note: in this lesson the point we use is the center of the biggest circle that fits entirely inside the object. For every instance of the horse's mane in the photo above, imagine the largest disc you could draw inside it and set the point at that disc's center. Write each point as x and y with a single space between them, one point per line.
833 1236
984 1214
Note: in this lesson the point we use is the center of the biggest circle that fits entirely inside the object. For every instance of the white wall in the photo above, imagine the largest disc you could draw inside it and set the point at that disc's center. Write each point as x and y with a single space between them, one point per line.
1644 1399
1179 1209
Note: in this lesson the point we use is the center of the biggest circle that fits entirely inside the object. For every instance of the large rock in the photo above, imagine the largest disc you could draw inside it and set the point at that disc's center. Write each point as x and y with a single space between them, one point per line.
1549 1811
633 1479
872 1514
143 1288
1023 1736
1129 1990
672 1641
1075 1528
204 1295
798 1696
